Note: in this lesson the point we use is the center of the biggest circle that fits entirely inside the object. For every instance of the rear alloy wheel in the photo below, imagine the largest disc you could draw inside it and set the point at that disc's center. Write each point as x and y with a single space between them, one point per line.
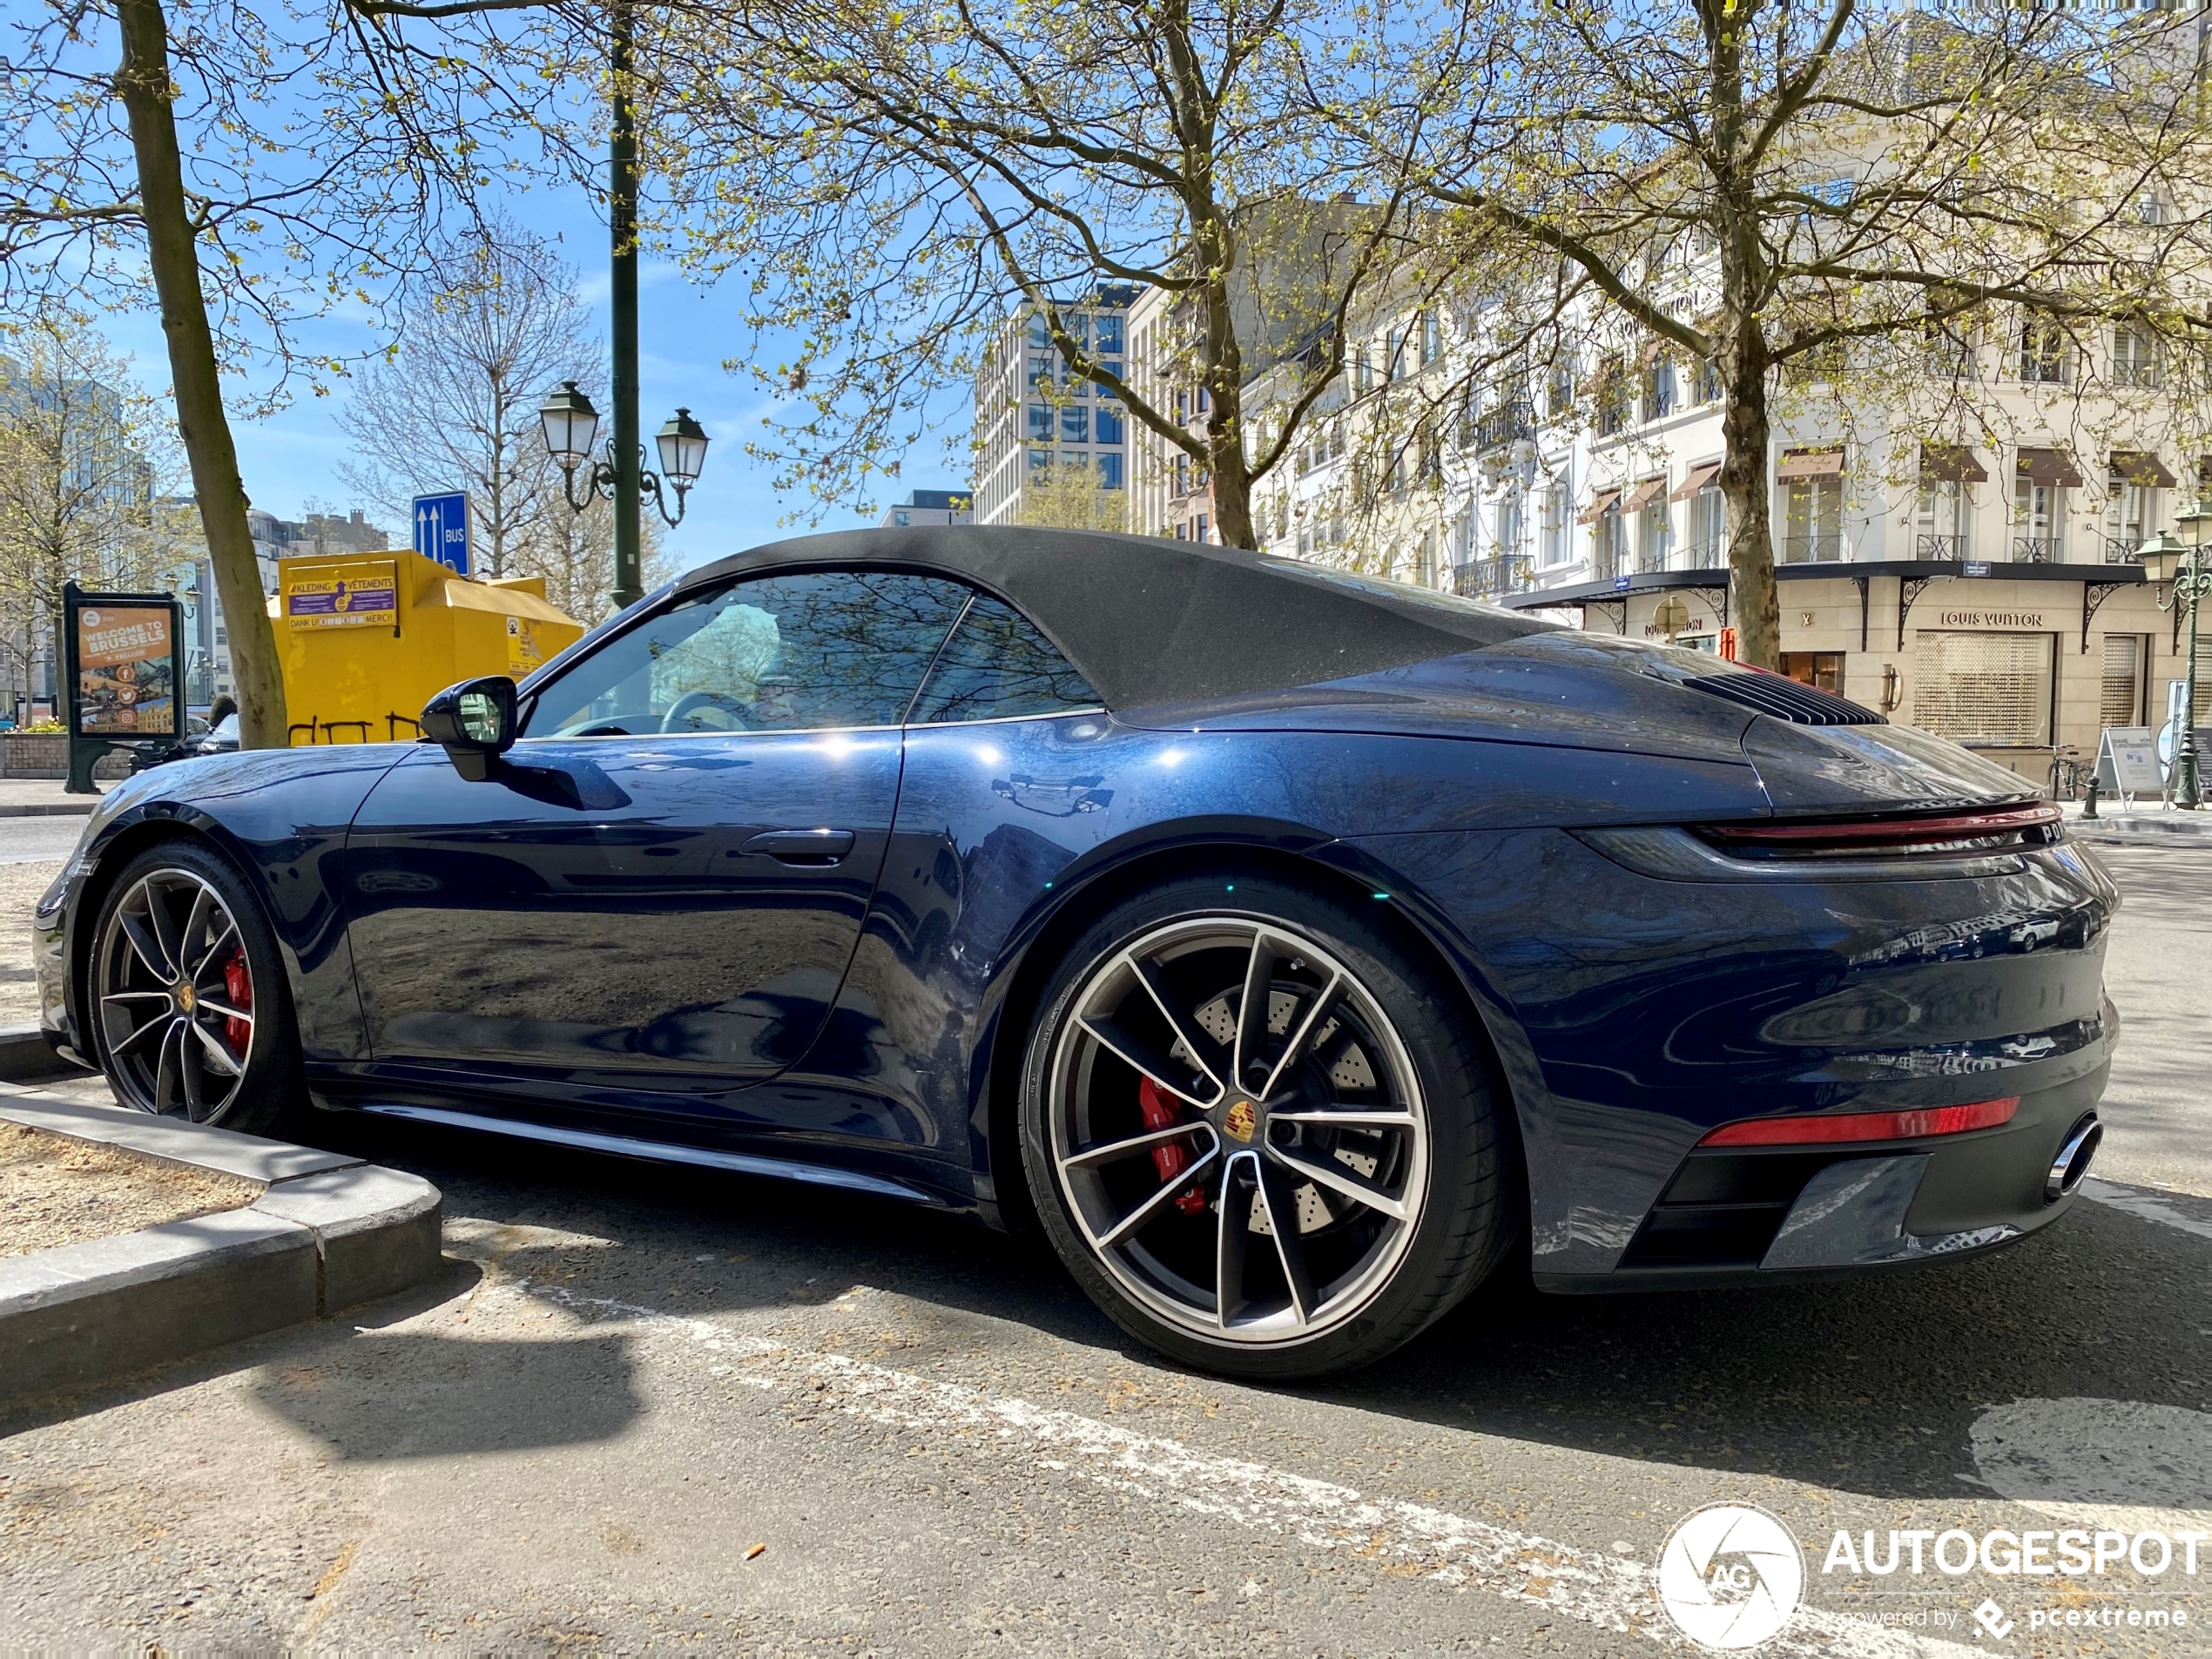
188 1003
1281 1195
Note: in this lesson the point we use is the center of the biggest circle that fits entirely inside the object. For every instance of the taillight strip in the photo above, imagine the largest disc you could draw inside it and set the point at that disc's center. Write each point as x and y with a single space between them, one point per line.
1951 827
1910 1125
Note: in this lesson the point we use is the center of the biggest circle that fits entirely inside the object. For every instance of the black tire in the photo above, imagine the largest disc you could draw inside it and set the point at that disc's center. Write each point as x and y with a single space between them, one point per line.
266 1098
1467 1219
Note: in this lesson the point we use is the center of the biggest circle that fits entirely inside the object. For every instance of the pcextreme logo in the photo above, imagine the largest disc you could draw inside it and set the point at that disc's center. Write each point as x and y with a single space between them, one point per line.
1730 1575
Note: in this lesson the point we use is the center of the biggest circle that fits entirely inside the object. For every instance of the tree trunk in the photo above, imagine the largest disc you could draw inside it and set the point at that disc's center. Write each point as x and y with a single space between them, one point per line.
1754 605
148 95
1223 379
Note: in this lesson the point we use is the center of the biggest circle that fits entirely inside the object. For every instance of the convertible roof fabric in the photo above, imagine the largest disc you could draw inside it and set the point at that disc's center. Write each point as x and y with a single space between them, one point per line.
1150 621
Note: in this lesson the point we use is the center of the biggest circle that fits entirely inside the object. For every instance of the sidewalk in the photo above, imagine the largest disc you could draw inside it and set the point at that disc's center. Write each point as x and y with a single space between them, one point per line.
2146 824
43 798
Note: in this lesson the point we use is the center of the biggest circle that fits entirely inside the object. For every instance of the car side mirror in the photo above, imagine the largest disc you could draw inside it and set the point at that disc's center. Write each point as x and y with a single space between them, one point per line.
475 722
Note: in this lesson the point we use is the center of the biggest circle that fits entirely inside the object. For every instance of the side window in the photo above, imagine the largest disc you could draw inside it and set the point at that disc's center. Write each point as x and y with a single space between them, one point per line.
779 653
997 666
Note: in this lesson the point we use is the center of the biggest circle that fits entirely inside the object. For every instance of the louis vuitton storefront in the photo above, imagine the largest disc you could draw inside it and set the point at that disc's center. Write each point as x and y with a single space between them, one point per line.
2015 660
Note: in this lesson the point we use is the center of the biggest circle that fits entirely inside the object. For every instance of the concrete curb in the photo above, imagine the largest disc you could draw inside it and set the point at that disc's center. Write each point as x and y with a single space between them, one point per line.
2139 826
329 1231
26 1056
50 808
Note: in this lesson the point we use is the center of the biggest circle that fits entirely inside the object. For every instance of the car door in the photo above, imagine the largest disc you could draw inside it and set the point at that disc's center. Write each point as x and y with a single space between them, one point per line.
652 901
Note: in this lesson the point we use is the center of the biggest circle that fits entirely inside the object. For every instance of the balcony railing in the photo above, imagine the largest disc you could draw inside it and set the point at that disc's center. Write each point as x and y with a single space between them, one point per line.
1484 578
1706 556
1652 560
1946 548
2037 549
1812 550
1609 562
1495 429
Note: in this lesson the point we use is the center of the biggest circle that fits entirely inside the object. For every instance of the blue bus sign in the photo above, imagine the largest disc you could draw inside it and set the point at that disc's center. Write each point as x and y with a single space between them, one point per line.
441 529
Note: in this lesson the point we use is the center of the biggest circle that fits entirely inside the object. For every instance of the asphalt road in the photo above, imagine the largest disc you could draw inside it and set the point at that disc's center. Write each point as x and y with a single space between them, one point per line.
25 840
651 1409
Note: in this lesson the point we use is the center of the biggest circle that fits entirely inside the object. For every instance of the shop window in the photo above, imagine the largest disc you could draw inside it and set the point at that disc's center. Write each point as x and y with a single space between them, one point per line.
1991 690
1822 669
2119 701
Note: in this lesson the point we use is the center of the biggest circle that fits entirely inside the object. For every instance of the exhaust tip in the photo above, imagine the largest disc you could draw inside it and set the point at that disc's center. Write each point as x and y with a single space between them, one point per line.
2073 1161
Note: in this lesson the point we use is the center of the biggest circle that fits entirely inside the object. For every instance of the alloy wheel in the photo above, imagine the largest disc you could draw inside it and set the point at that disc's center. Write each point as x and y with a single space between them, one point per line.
176 997
1254 1177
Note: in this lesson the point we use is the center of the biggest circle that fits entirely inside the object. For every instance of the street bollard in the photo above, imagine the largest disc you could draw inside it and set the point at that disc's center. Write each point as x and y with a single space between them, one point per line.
2089 801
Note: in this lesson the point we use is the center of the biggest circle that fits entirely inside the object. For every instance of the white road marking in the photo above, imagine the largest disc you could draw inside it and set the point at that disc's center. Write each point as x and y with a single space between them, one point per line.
2124 1464
1592 1588
2143 1205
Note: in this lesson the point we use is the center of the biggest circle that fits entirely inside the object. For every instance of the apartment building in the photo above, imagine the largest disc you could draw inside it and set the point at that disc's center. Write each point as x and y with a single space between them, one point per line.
1030 415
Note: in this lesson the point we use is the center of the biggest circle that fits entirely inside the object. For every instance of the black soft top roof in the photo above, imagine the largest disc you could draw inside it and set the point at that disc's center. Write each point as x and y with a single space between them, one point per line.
1149 620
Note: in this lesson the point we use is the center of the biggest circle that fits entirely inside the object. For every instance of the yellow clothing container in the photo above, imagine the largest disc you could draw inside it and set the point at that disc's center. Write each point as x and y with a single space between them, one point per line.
367 639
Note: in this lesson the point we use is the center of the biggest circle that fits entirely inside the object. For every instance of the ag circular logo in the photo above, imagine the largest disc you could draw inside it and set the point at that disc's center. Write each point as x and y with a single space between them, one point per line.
1730 1575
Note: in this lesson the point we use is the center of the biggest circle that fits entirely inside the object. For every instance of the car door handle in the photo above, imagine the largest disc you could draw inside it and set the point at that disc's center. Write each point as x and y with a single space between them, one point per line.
815 846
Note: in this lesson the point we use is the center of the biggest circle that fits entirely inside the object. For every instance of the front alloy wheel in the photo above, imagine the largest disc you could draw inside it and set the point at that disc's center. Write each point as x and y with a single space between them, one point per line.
1237 1130
175 1002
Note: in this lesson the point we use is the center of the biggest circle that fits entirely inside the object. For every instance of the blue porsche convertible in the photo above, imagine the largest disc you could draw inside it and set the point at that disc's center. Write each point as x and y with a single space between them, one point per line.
1292 948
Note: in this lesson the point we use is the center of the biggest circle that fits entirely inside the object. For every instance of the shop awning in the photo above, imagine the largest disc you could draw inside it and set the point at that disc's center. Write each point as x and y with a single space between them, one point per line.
1811 463
1697 479
1600 504
2142 467
1950 463
1647 491
2053 466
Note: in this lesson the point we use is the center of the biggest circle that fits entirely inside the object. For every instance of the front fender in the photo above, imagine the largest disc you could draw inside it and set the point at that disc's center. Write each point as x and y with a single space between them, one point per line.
280 817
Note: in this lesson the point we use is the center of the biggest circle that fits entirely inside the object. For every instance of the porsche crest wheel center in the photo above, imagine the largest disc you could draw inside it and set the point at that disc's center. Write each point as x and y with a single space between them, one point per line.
1241 1121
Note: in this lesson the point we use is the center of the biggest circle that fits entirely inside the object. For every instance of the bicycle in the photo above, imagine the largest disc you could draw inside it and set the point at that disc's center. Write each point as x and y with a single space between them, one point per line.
2069 774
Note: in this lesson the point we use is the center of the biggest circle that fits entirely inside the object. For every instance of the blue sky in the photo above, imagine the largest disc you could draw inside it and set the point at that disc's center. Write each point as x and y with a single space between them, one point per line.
685 332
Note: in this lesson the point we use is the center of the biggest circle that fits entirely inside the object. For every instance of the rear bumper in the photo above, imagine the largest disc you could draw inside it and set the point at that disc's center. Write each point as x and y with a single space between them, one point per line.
1763 1215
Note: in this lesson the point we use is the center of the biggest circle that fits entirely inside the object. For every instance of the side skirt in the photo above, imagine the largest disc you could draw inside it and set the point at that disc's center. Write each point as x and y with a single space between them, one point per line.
665 1152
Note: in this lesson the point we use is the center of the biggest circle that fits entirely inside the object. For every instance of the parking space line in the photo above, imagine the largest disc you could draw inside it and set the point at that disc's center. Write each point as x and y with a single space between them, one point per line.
2144 1203
1600 1590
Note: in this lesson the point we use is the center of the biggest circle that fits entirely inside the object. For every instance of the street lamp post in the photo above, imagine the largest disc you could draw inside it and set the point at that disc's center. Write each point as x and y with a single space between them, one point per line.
621 477
571 425
2184 567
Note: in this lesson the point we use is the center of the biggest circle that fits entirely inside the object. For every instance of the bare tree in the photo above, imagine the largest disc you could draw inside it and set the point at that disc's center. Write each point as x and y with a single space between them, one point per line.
1774 189
455 404
83 453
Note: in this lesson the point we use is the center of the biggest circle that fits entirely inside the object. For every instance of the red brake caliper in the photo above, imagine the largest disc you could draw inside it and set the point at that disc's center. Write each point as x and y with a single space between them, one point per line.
1171 1159
237 985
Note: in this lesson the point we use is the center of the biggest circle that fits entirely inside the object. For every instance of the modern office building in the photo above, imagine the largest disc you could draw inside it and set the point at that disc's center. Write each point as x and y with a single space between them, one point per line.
1031 416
